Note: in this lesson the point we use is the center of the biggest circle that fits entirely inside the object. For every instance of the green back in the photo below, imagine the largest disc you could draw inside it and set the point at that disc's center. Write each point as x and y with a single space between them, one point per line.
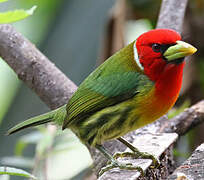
116 80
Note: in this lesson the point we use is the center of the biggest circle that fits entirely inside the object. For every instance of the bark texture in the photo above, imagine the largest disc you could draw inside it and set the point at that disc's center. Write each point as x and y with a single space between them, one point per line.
34 69
172 14
191 169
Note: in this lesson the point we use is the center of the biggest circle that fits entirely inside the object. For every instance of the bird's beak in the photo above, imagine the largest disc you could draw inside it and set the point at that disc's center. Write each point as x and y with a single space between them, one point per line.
180 50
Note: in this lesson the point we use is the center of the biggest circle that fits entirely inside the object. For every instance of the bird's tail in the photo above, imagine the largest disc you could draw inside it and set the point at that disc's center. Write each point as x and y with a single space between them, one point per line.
56 116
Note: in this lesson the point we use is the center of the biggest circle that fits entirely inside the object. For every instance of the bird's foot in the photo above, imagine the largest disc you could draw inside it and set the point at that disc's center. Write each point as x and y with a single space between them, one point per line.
116 164
138 154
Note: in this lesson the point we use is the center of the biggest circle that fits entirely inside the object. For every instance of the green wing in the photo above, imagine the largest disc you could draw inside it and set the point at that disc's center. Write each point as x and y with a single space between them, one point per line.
94 95
115 81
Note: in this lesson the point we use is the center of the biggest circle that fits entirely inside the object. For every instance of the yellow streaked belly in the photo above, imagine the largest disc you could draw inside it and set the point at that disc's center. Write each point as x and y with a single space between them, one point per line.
115 121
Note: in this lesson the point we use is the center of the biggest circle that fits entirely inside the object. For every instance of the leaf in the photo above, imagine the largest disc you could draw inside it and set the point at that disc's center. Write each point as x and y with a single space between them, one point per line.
16 15
3 1
15 172
21 162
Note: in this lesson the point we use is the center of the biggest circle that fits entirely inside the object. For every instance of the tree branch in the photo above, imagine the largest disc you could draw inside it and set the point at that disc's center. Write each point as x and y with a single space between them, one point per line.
191 168
185 121
34 69
172 14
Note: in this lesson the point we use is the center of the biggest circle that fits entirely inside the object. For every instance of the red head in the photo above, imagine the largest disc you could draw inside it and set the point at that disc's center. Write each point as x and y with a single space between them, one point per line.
148 48
161 56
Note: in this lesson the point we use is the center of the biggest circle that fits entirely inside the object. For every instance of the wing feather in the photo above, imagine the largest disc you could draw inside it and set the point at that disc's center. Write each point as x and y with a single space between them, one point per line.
116 80
101 92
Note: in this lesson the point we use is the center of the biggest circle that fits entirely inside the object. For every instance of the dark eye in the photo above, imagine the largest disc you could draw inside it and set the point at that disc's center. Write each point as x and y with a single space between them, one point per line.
156 47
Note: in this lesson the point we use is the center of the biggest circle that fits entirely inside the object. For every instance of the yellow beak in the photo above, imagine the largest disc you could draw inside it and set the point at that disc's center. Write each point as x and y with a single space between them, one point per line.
180 50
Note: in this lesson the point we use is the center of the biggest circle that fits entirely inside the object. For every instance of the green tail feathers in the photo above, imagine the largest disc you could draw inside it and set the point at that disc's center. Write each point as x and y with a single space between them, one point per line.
56 116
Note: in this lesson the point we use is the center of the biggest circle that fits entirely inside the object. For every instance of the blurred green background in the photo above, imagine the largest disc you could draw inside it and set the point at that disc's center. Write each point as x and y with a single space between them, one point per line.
77 35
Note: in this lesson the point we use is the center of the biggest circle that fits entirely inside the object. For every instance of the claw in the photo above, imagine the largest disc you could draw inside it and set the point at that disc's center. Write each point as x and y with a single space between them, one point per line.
115 164
138 154
155 161
125 154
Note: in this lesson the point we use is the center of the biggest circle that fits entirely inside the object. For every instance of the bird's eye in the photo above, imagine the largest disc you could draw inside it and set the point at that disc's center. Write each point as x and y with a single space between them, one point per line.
156 47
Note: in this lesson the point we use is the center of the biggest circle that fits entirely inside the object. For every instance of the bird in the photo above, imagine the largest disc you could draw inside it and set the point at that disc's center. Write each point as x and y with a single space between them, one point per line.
132 88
